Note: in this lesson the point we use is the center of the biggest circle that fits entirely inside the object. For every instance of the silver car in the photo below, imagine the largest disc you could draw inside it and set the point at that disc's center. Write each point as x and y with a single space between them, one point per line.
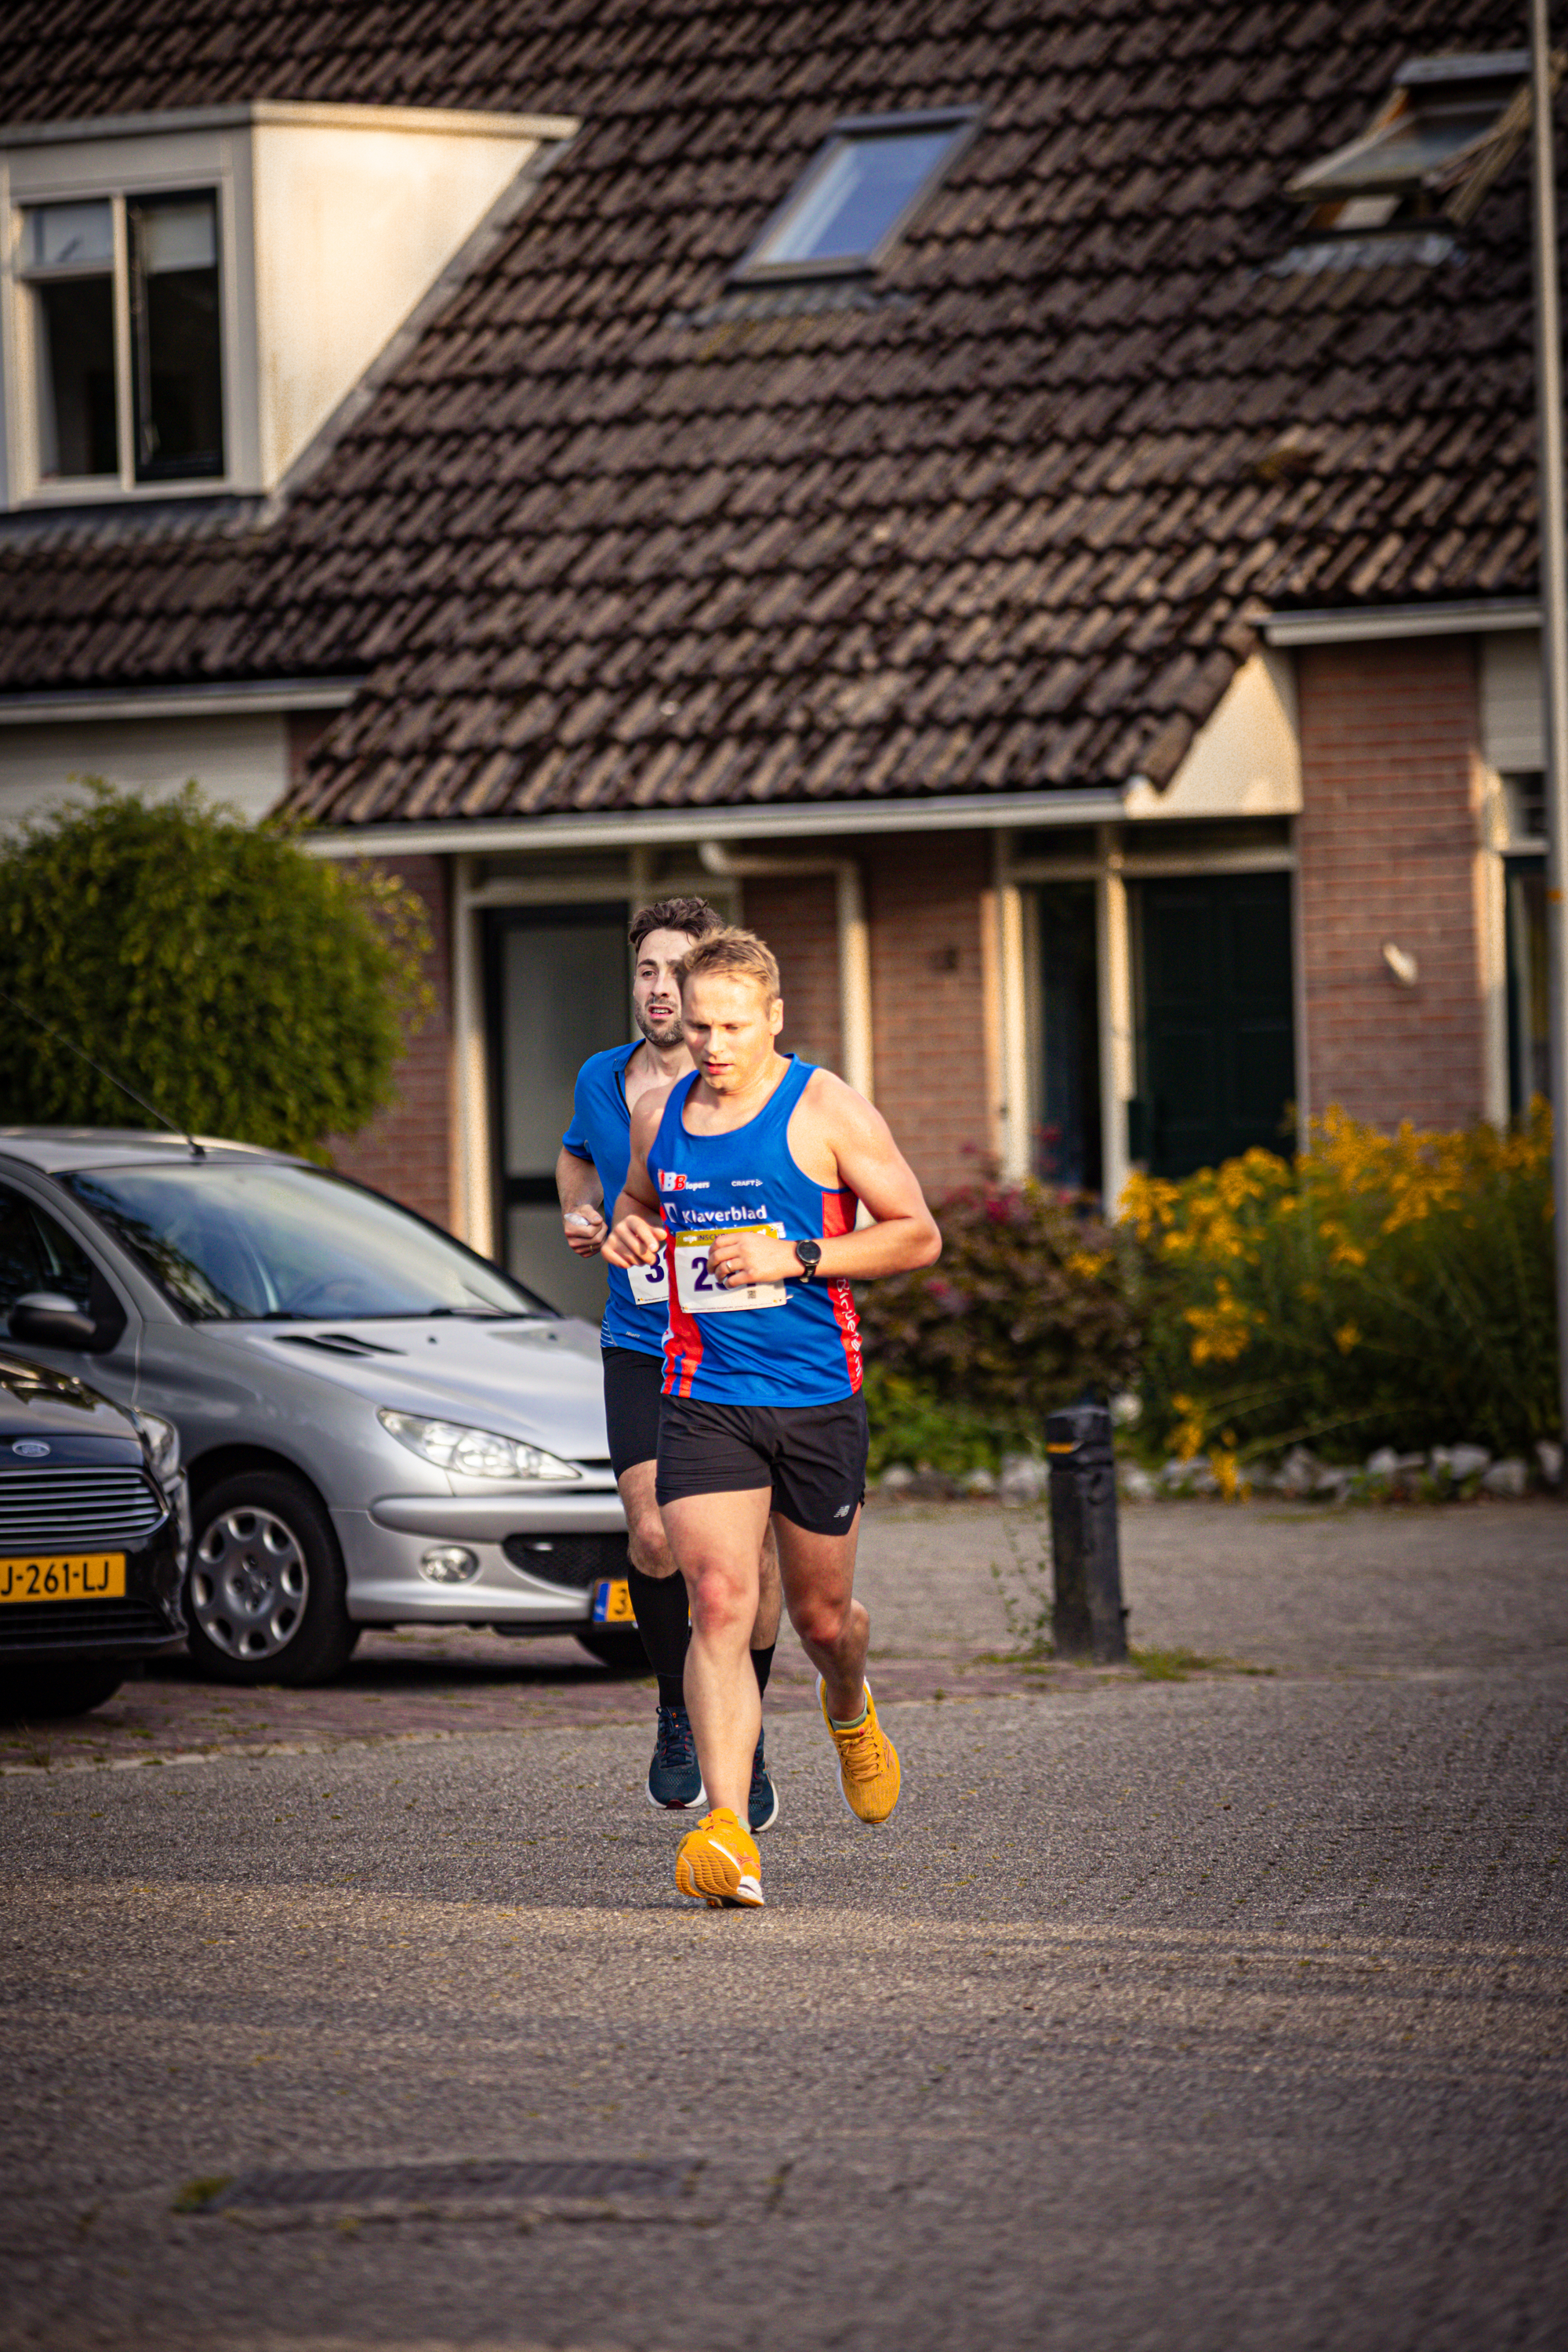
379 1427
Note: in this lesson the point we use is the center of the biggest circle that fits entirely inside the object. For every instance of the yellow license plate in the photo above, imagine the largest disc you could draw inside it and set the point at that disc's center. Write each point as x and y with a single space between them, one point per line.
65 1576
612 1601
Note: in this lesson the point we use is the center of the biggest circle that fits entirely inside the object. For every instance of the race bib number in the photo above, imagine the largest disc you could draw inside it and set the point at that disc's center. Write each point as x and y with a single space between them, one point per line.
701 1296
650 1284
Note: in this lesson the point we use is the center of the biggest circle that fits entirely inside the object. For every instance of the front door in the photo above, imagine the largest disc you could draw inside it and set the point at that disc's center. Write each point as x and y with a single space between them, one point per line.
1216 1025
560 988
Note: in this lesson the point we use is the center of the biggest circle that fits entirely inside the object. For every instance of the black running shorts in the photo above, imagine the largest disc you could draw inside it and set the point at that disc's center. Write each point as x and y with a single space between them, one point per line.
812 1456
633 1379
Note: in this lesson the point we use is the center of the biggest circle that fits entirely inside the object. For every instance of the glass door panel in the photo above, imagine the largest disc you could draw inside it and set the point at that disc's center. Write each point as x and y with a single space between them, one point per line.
1216 1018
1067 1139
559 985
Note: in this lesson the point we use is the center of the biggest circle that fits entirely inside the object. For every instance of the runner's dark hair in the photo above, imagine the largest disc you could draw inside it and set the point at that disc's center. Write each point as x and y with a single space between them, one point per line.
695 917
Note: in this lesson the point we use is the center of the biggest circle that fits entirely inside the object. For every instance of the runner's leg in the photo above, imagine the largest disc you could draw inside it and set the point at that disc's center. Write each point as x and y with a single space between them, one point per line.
818 1575
658 1596
658 1590
718 1540
770 1605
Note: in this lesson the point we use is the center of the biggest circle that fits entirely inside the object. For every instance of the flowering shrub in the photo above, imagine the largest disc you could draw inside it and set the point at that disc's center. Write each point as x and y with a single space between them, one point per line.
1377 1291
1026 1309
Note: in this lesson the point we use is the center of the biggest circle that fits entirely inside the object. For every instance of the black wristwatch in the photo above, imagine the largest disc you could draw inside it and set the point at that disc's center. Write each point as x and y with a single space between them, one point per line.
810 1256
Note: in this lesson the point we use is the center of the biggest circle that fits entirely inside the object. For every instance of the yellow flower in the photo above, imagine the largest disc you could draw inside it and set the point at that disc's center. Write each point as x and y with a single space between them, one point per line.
1222 1331
1227 1471
1346 1337
1187 1437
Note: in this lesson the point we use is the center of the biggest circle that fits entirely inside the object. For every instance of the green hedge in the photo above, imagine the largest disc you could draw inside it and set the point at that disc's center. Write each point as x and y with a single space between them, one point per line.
245 988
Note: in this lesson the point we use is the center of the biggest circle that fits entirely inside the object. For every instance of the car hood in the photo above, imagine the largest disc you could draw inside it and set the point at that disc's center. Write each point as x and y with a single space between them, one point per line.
542 1381
34 1401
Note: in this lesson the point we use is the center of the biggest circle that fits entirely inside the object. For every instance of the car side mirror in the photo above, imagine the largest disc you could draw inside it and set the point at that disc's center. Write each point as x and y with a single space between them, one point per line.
47 1320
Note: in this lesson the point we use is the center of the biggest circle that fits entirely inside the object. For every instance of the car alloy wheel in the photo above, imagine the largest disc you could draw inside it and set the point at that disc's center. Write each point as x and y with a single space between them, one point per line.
265 1595
249 1584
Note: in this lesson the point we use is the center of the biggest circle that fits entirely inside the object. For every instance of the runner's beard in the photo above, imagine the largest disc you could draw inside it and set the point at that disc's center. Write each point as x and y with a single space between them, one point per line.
662 1034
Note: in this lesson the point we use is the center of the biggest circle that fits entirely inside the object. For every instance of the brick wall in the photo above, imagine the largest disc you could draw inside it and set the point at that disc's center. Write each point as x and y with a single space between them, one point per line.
923 903
407 1151
923 897
1387 843
797 916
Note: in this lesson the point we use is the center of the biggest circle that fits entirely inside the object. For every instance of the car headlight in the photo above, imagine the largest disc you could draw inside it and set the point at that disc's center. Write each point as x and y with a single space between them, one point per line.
162 1440
473 1452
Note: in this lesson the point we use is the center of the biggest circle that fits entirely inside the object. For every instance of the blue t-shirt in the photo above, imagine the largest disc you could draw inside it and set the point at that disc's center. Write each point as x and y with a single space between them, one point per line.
601 1130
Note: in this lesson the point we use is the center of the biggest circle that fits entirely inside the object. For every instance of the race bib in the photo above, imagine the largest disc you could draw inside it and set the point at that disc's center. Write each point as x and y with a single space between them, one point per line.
650 1284
700 1296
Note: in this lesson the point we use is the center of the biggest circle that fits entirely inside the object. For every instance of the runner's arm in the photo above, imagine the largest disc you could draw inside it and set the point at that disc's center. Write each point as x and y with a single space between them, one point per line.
636 1222
581 1192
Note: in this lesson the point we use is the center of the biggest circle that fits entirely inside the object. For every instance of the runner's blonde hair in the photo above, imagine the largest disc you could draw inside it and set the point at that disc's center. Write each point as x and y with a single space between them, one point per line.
732 954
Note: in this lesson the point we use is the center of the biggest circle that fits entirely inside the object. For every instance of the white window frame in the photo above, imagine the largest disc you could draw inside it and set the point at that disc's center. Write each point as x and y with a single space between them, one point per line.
28 485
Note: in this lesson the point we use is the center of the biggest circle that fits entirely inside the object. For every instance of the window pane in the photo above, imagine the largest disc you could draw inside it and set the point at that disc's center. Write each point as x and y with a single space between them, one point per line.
1529 984
61 237
180 237
77 430
845 212
36 1254
175 334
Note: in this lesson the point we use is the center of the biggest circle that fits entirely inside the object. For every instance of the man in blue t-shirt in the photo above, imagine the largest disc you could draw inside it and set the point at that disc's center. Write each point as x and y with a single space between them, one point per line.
589 1175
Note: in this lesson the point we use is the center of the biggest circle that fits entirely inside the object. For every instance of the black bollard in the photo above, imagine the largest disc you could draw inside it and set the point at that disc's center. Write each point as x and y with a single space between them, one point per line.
1087 1619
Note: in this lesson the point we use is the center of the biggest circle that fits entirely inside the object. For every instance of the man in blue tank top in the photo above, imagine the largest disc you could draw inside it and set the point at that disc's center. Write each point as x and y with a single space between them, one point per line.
592 1169
745 1179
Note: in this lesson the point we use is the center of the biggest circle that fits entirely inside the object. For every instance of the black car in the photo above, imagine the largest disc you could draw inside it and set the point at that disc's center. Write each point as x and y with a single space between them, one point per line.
91 1547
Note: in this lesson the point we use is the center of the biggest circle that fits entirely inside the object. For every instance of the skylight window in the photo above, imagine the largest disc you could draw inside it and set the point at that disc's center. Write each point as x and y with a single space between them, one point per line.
860 191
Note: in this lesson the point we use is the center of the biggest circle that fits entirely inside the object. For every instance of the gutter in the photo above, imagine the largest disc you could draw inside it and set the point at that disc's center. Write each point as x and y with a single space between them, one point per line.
786 819
1363 624
223 701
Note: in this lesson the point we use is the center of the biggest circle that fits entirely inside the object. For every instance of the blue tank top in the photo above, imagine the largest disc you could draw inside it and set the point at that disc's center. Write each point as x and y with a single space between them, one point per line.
601 1130
803 1349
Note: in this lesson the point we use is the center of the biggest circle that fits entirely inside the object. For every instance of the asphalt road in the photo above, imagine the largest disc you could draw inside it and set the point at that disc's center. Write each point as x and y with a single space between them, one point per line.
1226 2012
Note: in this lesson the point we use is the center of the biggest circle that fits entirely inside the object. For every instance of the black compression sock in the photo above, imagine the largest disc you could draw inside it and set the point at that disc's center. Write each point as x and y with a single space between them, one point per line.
660 1605
671 1691
763 1666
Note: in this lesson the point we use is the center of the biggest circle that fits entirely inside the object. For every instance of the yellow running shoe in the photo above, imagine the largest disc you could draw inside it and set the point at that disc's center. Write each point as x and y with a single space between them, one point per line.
719 1864
868 1773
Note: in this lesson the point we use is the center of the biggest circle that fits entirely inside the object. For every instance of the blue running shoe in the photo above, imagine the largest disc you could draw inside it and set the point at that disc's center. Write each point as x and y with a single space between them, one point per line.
674 1777
762 1804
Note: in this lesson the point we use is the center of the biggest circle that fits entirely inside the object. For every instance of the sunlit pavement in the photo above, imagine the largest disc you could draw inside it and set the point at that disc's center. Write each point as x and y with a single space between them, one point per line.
1207 2013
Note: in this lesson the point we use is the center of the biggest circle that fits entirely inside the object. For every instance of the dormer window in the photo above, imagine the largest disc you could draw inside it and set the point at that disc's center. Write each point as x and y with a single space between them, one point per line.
187 299
860 191
1443 126
124 297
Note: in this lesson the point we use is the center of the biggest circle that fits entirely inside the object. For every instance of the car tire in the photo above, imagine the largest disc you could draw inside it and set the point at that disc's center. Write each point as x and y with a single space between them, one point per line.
622 1652
45 1692
266 1594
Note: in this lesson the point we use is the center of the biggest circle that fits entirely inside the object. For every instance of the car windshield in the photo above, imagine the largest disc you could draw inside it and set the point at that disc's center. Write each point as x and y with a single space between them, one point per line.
275 1243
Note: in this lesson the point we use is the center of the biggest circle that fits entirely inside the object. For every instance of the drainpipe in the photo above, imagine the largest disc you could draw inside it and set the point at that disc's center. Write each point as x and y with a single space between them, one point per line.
1554 640
854 941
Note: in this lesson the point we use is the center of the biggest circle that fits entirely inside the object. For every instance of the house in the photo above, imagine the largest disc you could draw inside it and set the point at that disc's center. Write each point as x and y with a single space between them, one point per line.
1030 506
